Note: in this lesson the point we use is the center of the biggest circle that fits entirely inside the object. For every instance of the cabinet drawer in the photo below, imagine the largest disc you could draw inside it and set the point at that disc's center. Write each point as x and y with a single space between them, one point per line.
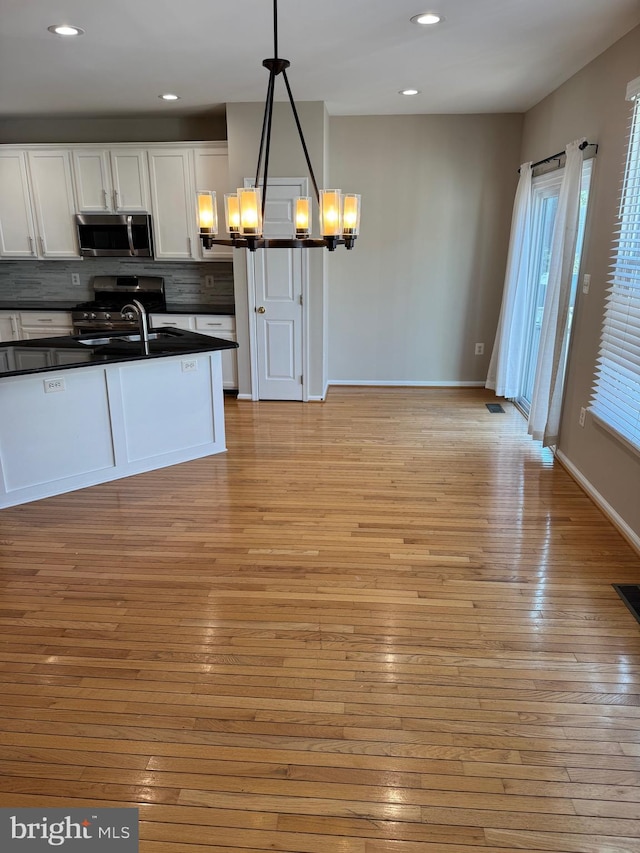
215 323
177 321
45 318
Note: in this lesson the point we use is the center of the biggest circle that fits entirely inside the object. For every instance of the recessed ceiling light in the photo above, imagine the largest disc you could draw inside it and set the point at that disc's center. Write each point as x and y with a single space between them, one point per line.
169 97
427 18
65 30
409 92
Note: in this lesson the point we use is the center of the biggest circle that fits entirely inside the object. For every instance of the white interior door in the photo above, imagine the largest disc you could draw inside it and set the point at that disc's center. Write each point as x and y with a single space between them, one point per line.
277 282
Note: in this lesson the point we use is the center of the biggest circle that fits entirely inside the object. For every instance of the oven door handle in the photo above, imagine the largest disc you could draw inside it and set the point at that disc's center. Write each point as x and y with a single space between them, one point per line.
132 249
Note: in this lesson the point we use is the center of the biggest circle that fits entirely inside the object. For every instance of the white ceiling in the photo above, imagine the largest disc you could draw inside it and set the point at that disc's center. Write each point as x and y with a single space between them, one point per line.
487 55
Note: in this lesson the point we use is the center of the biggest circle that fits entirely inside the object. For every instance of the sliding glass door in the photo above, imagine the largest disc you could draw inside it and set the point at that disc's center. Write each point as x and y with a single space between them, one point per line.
546 190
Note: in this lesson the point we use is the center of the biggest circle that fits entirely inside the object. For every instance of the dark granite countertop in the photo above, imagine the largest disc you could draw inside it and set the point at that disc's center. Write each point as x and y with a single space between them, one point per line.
61 353
36 305
58 305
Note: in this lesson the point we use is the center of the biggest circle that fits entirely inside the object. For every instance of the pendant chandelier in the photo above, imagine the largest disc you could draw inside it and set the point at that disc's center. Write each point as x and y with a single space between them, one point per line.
244 209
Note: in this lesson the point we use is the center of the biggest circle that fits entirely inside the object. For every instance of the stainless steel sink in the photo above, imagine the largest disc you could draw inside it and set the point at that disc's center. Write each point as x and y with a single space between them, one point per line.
119 339
94 342
152 336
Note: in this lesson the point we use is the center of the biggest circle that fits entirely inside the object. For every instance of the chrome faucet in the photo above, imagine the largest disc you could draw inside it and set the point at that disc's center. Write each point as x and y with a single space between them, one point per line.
137 310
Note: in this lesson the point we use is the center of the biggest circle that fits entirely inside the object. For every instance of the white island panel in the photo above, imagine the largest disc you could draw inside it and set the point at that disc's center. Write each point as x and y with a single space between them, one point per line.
50 436
107 422
167 405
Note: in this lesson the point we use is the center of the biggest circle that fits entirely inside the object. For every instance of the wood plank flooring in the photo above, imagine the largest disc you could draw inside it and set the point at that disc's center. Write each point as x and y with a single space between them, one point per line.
382 624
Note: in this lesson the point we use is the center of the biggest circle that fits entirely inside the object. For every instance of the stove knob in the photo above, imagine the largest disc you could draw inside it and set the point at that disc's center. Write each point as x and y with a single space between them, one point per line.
107 316
92 316
85 315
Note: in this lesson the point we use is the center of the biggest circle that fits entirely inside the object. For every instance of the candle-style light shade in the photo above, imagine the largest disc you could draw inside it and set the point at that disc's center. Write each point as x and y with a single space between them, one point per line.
303 216
232 213
250 204
207 212
330 213
351 214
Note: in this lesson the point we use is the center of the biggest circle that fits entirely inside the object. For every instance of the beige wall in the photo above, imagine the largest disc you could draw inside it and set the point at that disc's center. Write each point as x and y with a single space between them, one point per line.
424 282
592 104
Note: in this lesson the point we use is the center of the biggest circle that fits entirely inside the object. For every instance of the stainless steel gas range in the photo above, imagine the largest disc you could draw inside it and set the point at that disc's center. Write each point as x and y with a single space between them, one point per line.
112 293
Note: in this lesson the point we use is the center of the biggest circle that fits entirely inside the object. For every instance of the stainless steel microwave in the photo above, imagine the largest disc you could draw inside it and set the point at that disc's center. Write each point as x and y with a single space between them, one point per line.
115 235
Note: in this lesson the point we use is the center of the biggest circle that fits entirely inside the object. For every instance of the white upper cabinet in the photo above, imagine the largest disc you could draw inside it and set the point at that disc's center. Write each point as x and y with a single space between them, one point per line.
53 203
130 183
211 166
43 187
36 205
111 181
172 204
175 176
17 229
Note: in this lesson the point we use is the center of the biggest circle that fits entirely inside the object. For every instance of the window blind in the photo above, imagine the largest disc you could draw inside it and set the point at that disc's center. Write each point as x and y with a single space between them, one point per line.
615 400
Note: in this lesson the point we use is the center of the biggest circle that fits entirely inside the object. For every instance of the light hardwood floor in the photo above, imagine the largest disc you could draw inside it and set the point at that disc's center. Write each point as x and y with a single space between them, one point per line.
382 623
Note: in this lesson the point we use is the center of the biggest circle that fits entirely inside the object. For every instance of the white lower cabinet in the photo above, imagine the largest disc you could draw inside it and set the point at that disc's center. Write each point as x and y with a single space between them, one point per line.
216 326
8 332
44 324
31 325
222 326
8 326
176 321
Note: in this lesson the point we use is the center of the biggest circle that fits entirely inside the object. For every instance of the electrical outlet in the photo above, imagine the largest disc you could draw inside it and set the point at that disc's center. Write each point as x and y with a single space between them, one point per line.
583 413
51 385
208 281
586 283
479 349
189 365
75 278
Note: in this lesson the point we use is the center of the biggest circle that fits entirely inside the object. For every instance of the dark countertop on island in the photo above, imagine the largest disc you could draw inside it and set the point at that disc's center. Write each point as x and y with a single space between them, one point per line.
61 305
61 353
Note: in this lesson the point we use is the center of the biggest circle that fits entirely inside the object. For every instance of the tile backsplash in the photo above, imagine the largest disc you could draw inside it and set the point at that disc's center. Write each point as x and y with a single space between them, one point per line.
184 282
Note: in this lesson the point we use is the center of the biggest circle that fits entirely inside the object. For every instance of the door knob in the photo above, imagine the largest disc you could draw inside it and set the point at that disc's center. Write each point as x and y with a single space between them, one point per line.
261 309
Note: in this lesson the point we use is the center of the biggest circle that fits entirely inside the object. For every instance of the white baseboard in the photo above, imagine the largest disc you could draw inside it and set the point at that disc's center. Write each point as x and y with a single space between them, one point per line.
407 383
630 535
244 397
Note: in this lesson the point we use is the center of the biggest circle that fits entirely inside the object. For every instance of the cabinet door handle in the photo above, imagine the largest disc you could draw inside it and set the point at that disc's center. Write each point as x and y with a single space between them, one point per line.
42 248
116 203
44 320
30 239
189 242
14 327
106 199
213 324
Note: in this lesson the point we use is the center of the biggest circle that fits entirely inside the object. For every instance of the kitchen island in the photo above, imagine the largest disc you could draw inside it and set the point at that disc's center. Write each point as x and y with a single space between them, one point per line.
80 410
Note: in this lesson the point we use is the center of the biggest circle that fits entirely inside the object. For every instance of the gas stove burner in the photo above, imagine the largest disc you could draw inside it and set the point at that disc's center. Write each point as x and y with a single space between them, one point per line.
112 293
